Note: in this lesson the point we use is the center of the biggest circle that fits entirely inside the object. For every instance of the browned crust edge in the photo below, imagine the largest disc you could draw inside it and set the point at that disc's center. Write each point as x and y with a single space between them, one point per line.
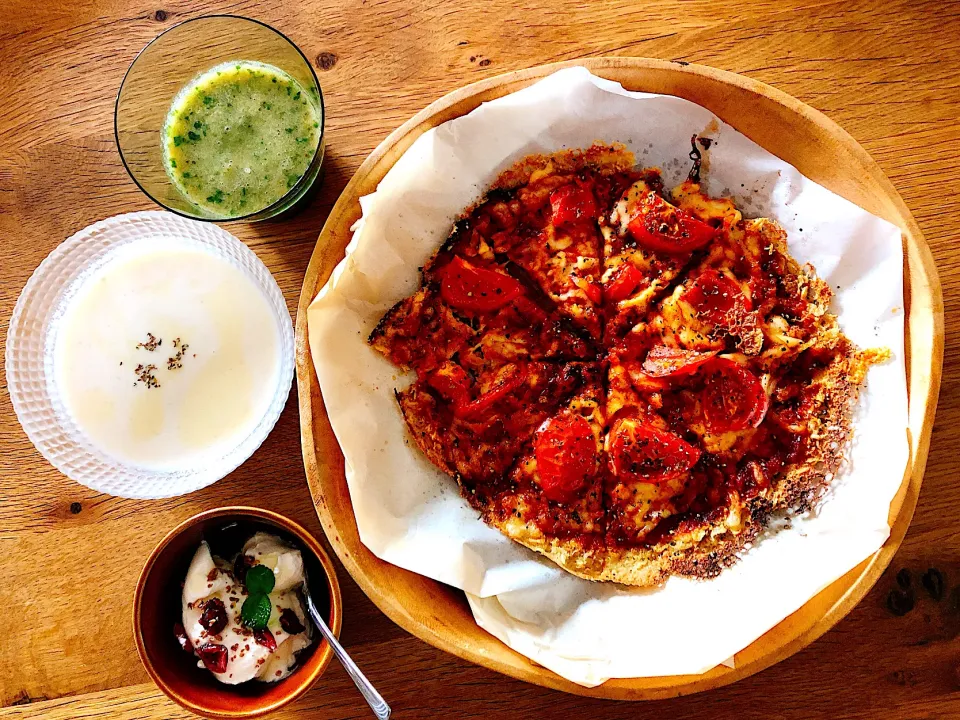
604 158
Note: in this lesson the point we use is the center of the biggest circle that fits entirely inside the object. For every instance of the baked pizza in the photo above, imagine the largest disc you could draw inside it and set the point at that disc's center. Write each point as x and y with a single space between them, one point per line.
627 379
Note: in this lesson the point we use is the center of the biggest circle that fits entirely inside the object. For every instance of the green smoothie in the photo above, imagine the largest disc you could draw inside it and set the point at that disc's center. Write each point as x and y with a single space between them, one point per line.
239 136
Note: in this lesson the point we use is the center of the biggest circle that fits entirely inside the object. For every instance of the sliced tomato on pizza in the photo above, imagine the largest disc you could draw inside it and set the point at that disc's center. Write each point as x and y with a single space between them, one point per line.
555 490
733 397
471 287
650 469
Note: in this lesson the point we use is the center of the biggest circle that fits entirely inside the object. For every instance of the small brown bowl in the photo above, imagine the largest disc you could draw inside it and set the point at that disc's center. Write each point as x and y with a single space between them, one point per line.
157 606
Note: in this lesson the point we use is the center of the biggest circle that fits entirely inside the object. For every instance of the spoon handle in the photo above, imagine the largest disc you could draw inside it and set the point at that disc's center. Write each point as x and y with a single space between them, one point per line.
370 694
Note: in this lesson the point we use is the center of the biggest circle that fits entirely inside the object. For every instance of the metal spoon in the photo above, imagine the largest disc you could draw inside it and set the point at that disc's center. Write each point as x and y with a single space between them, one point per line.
370 694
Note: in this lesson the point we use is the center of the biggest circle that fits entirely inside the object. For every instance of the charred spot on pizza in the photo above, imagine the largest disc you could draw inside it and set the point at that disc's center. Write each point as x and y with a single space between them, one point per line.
632 381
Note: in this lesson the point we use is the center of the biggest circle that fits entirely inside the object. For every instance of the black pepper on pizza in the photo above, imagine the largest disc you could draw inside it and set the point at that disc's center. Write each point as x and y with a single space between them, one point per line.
626 379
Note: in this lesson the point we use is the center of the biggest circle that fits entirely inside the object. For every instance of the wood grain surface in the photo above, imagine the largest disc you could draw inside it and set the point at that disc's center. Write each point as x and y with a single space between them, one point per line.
888 72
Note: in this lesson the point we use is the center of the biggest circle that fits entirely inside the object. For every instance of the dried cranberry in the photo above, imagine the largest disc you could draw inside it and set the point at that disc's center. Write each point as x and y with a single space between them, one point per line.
181 635
214 617
214 657
241 565
290 622
266 639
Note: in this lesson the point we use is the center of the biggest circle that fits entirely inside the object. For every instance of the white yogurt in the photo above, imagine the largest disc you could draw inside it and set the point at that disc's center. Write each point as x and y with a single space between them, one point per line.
226 378
209 578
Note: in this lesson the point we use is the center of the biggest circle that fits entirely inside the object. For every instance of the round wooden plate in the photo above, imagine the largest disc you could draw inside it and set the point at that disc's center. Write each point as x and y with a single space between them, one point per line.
789 129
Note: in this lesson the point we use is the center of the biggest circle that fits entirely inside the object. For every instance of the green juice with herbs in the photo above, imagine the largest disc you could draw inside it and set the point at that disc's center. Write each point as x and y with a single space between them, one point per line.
239 137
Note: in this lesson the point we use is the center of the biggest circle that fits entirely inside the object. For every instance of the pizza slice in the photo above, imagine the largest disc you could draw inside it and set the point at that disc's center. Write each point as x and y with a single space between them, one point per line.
474 309
747 295
722 302
421 332
704 444
649 458
562 256
542 217
683 425
475 427
649 241
553 498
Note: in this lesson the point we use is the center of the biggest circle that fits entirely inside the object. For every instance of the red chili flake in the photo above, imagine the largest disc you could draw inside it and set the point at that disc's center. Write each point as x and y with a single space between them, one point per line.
176 362
145 375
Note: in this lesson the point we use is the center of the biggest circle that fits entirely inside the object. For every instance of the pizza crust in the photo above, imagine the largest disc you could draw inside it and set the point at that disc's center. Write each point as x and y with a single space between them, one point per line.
567 553
605 159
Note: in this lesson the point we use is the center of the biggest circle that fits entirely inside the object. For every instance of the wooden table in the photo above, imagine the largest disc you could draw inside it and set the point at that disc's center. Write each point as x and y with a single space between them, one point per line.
887 72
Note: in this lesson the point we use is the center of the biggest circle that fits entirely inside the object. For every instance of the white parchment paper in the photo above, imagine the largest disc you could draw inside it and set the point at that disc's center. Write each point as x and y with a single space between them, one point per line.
410 514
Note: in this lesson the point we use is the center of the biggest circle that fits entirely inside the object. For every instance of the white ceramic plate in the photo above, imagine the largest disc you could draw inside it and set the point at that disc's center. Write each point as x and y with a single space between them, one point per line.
30 352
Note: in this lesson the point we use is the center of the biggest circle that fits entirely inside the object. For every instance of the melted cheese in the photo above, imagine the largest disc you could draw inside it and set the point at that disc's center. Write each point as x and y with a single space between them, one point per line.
688 196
